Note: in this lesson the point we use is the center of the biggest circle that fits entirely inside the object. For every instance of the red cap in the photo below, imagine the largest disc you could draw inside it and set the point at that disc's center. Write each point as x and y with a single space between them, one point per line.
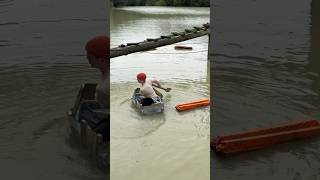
99 47
141 76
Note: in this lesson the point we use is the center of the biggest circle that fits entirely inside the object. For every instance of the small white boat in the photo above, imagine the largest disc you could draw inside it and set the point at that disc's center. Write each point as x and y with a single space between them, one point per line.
156 107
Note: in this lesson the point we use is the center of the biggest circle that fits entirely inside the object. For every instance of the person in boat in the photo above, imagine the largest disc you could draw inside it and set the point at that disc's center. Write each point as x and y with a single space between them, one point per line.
147 93
98 55
98 52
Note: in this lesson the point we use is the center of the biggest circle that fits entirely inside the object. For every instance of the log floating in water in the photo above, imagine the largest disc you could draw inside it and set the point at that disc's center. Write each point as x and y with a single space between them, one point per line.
198 28
180 47
151 39
207 25
130 44
164 37
175 33
182 34
187 30
150 43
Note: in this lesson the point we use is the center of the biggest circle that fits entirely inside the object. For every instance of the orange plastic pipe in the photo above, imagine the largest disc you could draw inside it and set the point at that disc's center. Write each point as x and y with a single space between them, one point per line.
193 104
261 138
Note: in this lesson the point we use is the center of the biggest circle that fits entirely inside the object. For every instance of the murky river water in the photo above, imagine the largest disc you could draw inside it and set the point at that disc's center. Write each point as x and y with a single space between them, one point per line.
266 71
41 68
171 145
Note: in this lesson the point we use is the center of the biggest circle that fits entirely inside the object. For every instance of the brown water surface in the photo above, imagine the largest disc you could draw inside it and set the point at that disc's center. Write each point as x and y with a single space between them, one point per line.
266 71
171 145
41 69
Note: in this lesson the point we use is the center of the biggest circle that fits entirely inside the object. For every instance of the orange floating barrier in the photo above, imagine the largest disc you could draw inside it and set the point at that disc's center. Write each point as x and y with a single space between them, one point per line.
193 105
261 138
183 47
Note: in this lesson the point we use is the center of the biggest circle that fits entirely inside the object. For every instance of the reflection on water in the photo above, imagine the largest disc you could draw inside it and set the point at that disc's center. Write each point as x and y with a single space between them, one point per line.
41 69
159 146
266 72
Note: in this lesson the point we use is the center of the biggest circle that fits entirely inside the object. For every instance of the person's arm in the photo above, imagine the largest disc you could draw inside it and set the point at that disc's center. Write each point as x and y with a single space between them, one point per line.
156 83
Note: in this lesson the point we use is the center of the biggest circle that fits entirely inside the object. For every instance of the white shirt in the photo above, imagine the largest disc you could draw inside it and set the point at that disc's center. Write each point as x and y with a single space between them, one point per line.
147 89
102 94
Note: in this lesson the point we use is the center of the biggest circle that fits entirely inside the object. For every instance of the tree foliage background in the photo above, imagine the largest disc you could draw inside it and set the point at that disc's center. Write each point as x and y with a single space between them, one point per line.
188 3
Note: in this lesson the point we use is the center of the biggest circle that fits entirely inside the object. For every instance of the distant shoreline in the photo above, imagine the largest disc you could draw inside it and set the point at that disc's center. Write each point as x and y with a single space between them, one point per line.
164 3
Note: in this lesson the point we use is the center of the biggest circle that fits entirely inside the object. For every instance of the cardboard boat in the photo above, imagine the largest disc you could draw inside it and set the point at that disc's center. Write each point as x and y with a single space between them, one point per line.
156 107
88 128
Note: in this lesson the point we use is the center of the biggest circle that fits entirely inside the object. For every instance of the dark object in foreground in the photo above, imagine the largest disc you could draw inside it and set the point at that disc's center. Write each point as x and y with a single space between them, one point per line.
91 123
261 138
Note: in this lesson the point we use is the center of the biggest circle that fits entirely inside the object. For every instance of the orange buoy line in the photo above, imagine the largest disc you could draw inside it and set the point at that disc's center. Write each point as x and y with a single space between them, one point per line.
261 138
193 104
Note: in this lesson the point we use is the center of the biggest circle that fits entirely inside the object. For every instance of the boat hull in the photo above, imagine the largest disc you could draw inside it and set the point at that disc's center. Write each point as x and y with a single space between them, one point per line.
86 129
156 107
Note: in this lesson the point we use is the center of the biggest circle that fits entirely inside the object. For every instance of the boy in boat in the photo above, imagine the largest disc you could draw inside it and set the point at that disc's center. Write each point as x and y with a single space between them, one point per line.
98 56
146 91
98 52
